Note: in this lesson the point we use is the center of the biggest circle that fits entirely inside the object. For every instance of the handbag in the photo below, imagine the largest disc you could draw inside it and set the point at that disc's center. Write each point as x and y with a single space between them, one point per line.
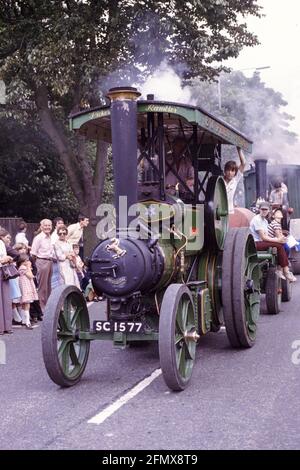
9 271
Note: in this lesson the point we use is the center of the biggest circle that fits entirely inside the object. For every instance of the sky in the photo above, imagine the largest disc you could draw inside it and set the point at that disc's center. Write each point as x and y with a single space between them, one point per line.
279 35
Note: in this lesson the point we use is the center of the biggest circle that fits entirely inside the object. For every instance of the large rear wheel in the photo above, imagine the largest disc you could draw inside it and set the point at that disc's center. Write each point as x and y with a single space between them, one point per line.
240 288
295 261
177 336
286 290
273 291
216 214
65 354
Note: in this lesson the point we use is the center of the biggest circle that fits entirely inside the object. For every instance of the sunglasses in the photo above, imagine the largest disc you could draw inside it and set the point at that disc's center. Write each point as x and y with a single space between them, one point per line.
62 233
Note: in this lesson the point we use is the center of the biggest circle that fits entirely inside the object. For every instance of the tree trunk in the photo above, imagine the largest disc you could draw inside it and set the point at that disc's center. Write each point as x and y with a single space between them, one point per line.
86 184
90 239
100 168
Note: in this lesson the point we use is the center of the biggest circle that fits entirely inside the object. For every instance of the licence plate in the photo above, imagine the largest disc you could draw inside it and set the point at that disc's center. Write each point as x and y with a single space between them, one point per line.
113 326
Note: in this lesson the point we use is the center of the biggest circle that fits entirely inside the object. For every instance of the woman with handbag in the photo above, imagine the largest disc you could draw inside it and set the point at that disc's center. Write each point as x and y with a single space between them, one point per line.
11 273
5 301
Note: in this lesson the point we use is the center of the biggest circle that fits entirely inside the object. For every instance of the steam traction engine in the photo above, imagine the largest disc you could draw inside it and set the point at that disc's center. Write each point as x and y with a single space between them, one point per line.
172 271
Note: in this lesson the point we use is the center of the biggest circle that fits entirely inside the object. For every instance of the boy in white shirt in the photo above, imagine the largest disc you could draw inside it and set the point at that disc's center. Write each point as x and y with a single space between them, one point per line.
232 176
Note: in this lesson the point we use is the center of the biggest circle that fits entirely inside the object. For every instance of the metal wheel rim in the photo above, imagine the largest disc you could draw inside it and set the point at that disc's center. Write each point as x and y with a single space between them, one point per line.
252 300
217 213
71 351
185 350
240 288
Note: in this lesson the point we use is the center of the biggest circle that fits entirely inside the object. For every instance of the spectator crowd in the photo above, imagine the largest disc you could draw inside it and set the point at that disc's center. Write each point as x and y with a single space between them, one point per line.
29 272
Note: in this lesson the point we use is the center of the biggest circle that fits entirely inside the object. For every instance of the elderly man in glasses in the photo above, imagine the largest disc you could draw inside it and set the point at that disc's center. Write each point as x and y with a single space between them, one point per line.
42 253
259 229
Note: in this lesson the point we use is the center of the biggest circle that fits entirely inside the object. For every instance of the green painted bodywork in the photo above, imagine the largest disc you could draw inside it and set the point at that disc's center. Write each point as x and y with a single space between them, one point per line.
209 270
187 243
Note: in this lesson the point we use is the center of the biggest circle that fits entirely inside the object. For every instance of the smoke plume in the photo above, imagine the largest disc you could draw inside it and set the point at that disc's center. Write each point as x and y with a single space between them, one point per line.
166 85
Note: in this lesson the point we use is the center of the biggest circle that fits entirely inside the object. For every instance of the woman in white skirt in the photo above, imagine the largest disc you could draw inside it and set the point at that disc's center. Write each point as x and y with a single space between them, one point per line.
66 258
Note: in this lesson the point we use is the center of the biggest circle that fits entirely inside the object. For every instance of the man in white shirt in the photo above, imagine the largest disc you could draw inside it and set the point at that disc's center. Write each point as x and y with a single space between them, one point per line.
279 195
75 233
42 252
232 176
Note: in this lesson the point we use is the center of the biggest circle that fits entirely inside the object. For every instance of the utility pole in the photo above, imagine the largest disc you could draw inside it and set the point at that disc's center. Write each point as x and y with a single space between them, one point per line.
219 93
255 69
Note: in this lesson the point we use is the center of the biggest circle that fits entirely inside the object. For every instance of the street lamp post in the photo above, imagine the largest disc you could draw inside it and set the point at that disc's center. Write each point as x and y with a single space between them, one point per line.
238 70
219 92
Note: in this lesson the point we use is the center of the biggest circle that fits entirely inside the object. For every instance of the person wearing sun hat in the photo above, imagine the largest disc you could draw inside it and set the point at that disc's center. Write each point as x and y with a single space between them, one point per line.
259 229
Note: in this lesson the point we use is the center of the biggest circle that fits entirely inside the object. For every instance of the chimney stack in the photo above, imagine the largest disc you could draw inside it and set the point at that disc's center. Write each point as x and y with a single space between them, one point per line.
124 147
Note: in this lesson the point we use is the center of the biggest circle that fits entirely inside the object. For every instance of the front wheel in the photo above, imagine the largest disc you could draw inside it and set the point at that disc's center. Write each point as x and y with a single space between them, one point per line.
65 354
177 336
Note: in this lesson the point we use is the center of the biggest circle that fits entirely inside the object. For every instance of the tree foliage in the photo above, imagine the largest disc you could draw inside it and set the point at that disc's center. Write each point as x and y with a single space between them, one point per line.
251 107
33 184
70 45
60 56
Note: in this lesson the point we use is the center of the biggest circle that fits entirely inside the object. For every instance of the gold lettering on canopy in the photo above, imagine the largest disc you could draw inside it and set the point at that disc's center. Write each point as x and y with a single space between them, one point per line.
154 108
98 114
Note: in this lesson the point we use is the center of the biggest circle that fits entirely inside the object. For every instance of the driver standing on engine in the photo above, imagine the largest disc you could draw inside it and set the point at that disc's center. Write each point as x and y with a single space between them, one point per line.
182 165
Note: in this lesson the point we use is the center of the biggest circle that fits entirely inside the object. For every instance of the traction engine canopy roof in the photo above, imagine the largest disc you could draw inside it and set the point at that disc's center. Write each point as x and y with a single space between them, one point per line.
94 123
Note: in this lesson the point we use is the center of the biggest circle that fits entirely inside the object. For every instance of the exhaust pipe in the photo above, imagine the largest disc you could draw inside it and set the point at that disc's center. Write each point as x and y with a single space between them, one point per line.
124 149
261 178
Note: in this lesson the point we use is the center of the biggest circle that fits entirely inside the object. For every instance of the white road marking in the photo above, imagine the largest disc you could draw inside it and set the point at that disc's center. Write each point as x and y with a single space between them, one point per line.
111 409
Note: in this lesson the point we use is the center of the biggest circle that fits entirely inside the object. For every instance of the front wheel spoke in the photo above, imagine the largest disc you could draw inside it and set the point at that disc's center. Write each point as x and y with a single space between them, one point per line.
182 362
75 316
246 271
62 335
184 314
63 323
178 338
179 325
64 355
73 355
63 345
68 307
189 347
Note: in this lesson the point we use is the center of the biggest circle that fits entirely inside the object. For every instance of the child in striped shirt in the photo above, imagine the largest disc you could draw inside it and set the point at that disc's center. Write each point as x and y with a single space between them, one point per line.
275 231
